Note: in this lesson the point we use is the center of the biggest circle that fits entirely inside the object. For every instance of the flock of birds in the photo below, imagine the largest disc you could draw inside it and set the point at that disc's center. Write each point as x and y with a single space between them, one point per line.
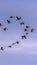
27 28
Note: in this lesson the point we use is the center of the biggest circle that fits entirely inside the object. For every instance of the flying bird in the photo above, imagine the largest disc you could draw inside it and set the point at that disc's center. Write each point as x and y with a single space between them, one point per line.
2 48
18 18
13 43
1 25
9 46
22 23
27 33
25 30
11 17
17 42
8 21
24 36
32 30
5 29
27 26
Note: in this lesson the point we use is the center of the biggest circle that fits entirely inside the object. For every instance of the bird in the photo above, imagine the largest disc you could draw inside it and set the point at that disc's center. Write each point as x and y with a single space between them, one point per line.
25 30
5 29
11 17
13 43
9 46
24 36
8 21
1 25
27 26
2 48
32 30
27 33
18 18
22 23
17 42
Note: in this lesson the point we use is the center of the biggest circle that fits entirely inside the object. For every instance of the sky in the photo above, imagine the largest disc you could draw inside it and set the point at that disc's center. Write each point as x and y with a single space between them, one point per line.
26 52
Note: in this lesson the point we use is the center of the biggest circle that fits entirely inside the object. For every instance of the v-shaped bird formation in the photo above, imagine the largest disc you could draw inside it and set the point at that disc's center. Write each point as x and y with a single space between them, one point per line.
27 29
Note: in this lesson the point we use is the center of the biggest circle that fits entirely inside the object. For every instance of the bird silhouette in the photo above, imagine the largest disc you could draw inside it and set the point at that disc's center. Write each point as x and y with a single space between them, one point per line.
13 43
9 46
27 26
24 36
1 25
17 42
27 33
22 23
8 21
32 30
25 30
5 29
2 48
11 17
18 18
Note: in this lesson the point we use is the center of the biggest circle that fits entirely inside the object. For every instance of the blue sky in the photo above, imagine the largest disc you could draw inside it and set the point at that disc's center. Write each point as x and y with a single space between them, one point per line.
26 52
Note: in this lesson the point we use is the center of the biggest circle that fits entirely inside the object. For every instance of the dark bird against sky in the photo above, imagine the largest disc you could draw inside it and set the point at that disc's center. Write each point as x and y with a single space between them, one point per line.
2 48
8 21
9 46
32 30
27 26
1 24
18 18
11 17
27 33
13 43
17 42
5 29
23 37
22 23
25 29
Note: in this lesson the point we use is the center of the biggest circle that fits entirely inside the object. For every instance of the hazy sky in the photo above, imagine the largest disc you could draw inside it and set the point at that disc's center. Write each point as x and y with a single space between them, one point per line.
26 52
